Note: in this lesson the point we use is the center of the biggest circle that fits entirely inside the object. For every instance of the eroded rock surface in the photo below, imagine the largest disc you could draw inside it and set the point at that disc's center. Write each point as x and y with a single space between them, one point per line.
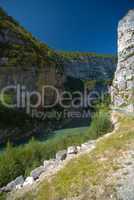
123 86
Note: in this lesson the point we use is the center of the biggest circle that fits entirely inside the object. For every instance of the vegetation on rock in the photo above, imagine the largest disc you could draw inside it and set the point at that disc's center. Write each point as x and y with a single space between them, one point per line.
91 175
15 161
81 55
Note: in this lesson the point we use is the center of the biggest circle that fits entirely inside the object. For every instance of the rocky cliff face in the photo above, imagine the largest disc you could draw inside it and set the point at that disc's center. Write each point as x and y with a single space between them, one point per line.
122 91
26 61
90 66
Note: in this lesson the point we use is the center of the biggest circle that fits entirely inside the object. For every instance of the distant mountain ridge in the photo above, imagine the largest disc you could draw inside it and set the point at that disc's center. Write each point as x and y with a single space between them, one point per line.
27 50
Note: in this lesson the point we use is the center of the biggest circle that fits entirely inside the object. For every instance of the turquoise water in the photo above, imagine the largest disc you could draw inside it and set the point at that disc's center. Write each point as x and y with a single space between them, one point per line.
69 131
58 134
63 132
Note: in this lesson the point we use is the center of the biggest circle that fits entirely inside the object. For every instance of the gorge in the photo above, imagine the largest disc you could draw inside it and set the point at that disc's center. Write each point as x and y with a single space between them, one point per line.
27 62
80 166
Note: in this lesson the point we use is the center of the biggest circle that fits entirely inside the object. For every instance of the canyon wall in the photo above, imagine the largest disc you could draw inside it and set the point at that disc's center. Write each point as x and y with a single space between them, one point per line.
90 67
122 91
26 61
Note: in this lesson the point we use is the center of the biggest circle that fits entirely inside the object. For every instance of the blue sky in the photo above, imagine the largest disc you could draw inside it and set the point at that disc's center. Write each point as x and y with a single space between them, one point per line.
71 25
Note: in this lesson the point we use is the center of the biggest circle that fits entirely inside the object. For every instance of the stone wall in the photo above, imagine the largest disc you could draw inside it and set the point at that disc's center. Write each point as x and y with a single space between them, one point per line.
122 91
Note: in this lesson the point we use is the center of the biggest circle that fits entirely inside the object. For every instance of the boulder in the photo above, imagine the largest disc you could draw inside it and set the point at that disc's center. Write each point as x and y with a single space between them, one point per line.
3 189
19 180
18 187
50 164
72 150
78 148
87 145
29 181
12 185
37 172
61 155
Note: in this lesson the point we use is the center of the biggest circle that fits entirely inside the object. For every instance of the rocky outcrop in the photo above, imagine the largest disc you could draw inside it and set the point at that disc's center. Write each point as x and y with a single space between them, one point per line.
61 155
13 184
26 61
122 91
72 150
49 166
90 67
37 172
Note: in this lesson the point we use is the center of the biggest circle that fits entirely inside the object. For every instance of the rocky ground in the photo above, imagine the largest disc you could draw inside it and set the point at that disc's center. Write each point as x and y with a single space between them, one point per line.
125 177
114 155
47 170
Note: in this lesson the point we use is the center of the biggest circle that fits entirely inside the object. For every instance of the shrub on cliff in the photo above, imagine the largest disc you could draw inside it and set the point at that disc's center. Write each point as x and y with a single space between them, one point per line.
10 165
100 124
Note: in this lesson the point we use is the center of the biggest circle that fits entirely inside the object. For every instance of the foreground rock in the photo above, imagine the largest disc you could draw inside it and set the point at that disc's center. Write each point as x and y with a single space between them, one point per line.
48 163
88 145
49 166
29 181
17 183
72 150
37 172
122 91
61 155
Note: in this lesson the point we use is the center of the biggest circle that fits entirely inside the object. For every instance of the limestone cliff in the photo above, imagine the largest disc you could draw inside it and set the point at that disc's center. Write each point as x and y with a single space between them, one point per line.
123 85
89 66
24 60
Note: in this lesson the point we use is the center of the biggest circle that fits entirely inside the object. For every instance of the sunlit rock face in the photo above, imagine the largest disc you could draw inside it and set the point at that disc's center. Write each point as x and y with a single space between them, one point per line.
27 62
122 91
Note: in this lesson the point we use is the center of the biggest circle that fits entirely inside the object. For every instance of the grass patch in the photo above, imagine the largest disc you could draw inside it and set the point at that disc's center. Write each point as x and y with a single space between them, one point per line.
80 55
90 172
15 161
